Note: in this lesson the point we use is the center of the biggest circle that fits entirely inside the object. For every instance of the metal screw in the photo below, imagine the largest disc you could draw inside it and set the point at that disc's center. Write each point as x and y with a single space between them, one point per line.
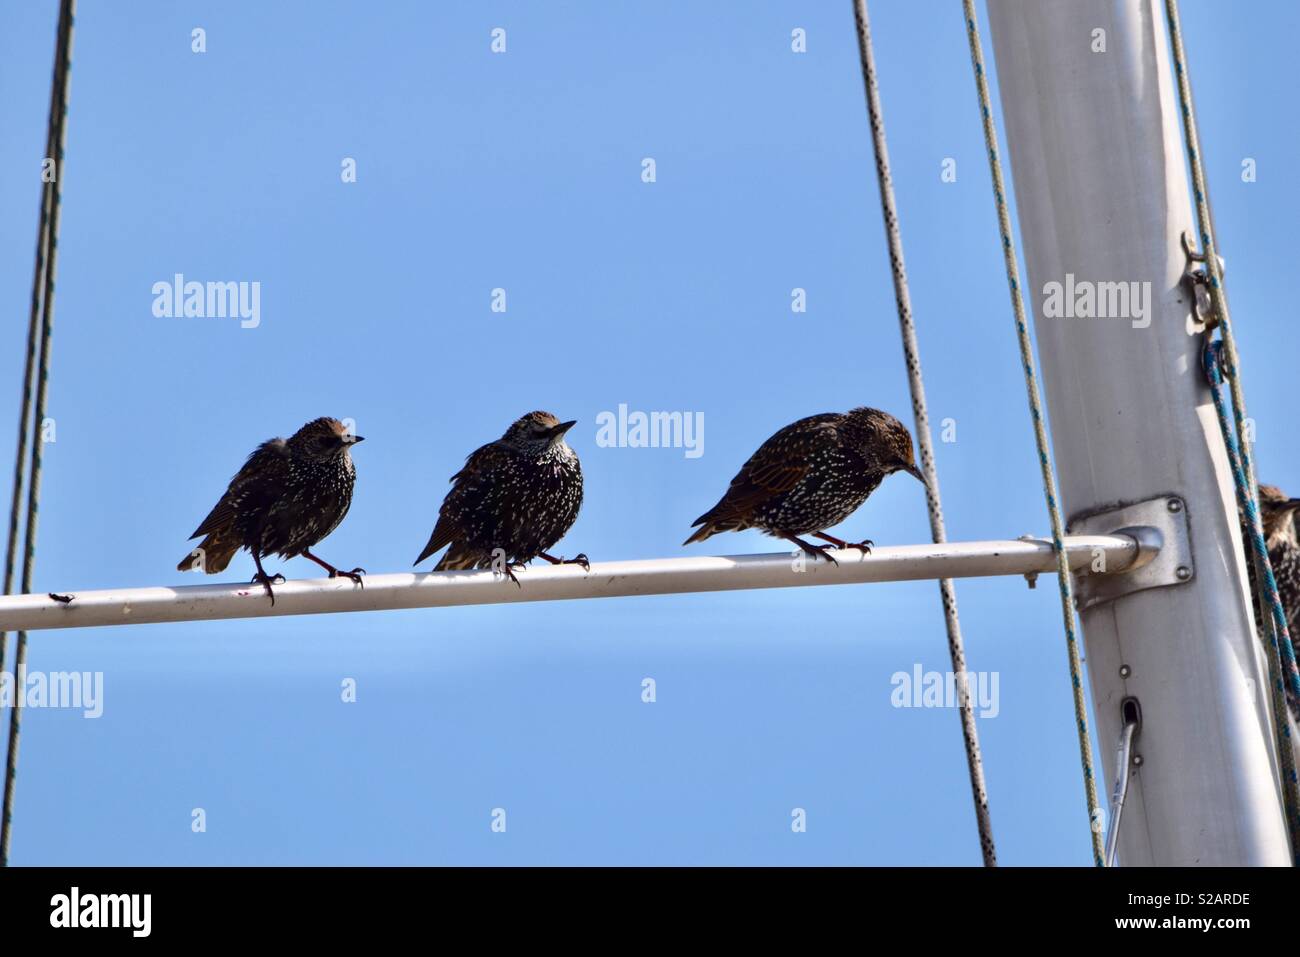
1125 671
1137 760
1182 573
1175 505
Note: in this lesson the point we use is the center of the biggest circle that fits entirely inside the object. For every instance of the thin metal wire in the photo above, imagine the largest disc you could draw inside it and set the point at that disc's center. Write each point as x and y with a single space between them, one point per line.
1123 766
56 134
912 355
1040 432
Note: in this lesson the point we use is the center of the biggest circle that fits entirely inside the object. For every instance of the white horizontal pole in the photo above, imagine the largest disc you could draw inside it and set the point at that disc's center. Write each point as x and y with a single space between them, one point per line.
663 576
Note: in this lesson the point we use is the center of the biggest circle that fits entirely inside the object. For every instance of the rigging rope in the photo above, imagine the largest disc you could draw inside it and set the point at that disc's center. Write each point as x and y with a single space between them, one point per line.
1282 722
1221 362
1282 715
1212 362
47 255
1040 433
29 372
912 356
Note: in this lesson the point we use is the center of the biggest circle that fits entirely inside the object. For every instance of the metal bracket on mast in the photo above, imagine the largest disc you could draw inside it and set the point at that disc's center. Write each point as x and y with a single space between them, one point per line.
1159 525
1196 276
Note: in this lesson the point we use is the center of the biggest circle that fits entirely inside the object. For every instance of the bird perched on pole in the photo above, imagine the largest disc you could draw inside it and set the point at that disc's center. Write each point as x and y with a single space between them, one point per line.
1277 513
812 475
288 496
514 499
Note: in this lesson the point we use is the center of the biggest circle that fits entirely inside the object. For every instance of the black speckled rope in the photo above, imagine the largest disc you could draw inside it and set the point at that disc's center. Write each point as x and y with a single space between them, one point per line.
47 254
912 356
1095 810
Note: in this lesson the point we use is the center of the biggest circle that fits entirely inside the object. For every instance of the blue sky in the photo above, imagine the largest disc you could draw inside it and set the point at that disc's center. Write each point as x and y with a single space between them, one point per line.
523 171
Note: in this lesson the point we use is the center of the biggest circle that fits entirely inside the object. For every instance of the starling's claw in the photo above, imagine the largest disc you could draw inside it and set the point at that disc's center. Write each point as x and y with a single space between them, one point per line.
579 559
824 551
863 546
266 581
510 573
815 551
355 575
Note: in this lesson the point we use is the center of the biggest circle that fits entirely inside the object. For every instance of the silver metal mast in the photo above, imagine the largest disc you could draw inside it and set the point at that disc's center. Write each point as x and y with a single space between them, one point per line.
1092 124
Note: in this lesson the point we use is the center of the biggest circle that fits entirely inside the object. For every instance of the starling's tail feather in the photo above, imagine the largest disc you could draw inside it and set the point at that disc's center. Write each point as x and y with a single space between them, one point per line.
428 550
721 518
212 555
434 546
706 530
442 535
458 558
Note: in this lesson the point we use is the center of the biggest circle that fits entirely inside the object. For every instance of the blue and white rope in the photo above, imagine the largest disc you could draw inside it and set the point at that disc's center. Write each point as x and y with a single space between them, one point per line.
1212 358
1221 362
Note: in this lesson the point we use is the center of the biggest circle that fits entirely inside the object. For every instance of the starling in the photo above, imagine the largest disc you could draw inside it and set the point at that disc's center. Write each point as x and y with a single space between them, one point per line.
1277 514
514 499
287 497
812 475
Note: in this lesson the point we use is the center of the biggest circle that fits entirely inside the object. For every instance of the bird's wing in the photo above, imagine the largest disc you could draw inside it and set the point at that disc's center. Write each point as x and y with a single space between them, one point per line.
480 460
465 488
777 467
254 487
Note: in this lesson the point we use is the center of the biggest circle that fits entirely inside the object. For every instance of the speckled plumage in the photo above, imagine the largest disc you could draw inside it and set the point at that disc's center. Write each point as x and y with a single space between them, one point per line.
514 499
1277 514
289 495
812 475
